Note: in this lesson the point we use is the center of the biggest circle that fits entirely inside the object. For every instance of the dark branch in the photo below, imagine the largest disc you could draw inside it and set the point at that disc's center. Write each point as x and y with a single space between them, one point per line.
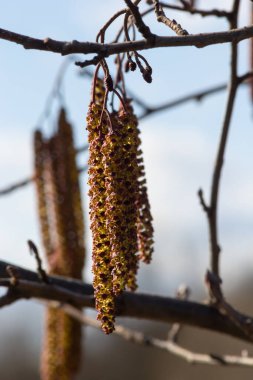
138 20
171 347
212 214
201 12
76 47
134 305
172 24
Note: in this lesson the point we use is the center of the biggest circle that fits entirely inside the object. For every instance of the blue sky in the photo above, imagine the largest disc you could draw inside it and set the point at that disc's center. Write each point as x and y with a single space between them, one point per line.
179 145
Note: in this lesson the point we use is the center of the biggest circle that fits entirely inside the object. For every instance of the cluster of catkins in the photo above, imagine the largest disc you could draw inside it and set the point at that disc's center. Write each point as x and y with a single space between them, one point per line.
62 230
121 221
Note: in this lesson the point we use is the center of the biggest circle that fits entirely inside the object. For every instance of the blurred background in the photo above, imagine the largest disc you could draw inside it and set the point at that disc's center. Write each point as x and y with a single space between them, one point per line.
179 150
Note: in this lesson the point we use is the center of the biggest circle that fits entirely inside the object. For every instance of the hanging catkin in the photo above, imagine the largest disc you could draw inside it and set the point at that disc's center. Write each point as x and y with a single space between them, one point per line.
121 221
40 153
101 252
121 170
144 220
60 201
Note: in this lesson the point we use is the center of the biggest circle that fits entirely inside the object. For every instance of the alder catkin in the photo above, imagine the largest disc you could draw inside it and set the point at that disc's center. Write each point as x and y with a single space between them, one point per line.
121 222
101 252
145 229
40 153
65 228
120 168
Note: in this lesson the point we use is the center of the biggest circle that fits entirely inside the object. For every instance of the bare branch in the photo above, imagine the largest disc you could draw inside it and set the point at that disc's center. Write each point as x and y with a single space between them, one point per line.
16 186
202 201
212 215
9 297
197 96
20 184
172 24
195 11
138 337
135 305
138 20
41 272
214 285
182 293
105 50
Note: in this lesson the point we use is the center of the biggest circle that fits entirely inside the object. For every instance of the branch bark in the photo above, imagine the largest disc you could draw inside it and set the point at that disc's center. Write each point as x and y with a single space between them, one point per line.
105 50
212 212
135 305
171 347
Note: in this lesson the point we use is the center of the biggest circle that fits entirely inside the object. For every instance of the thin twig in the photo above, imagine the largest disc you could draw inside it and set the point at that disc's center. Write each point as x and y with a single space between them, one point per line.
16 186
41 272
197 96
172 24
138 337
23 183
101 33
55 92
214 286
202 201
212 214
183 293
193 11
89 62
200 12
138 20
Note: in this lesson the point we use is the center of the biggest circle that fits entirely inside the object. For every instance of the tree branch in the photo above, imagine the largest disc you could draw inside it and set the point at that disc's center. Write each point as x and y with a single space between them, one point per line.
105 50
212 213
135 305
173 348
161 17
194 11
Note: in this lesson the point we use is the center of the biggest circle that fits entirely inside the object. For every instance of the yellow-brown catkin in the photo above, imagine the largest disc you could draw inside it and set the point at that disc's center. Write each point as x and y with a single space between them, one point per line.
144 219
68 208
40 153
102 280
121 169
62 342
121 222
51 367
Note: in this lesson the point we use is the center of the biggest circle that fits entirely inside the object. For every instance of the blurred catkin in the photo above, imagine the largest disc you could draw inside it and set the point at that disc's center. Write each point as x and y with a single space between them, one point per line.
40 153
61 219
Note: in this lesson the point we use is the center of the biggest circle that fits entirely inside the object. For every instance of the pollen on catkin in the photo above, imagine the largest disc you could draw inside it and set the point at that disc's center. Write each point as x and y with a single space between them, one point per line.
40 153
101 250
144 219
121 221
121 169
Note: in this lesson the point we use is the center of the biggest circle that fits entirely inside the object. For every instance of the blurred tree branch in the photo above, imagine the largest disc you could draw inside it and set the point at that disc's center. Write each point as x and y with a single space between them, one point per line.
135 305
169 346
